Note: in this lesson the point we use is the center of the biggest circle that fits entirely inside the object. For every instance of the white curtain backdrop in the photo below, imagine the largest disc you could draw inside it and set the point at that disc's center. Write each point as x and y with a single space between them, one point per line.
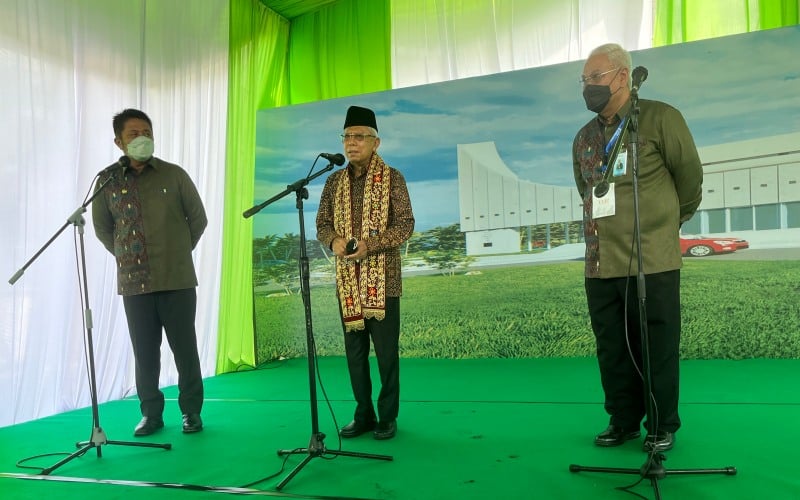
440 40
68 66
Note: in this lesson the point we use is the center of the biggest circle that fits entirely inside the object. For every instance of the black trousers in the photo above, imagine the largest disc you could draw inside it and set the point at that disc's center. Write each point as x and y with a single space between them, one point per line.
385 335
174 312
620 355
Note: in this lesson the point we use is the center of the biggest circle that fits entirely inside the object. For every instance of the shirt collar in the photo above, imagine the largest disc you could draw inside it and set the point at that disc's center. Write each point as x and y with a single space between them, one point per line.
619 115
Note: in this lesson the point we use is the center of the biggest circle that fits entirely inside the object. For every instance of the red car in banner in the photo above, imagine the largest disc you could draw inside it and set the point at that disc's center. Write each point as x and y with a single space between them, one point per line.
700 246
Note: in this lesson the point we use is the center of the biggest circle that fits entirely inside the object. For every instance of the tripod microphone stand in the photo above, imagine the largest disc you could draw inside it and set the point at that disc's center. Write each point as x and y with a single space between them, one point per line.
652 469
316 446
98 438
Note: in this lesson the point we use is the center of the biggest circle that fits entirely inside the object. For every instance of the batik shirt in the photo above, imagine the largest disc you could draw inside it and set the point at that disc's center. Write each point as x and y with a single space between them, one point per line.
151 222
670 178
399 227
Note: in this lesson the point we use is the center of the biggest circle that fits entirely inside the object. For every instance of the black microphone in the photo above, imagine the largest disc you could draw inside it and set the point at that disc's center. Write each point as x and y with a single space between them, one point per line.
601 188
638 76
351 247
123 162
336 158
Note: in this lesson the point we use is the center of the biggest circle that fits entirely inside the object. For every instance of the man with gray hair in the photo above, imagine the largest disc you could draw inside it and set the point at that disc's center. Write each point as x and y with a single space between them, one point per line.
669 177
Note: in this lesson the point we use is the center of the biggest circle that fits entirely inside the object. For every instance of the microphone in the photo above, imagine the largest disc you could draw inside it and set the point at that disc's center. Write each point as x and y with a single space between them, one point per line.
638 77
336 158
351 247
601 188
123 162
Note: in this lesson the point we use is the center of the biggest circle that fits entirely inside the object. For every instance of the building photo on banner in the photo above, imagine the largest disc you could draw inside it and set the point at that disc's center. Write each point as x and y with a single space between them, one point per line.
499 226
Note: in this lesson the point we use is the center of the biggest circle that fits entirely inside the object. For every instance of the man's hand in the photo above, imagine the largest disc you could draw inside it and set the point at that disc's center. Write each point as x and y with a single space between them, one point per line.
360 253
338 246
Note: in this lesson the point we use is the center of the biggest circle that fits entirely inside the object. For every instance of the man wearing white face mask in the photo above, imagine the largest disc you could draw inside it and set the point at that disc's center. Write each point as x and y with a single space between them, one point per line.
150 217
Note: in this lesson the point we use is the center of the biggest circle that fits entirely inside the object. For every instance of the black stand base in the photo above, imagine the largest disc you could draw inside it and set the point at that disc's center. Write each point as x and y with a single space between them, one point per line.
97 440
653 470
316 448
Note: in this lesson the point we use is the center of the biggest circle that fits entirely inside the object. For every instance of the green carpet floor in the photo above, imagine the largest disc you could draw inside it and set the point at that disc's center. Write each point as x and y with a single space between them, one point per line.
468 429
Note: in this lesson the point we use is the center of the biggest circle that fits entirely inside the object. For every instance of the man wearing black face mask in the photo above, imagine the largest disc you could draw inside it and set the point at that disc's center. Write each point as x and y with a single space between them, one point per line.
669 185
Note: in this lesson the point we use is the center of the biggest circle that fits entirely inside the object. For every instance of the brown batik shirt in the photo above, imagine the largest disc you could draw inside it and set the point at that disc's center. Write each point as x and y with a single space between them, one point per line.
398 229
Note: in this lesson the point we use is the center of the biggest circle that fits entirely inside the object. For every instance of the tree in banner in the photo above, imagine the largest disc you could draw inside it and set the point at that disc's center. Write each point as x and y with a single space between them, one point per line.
444 248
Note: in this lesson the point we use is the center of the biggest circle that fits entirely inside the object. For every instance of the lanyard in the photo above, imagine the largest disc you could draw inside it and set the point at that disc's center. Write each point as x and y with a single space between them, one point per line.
613 142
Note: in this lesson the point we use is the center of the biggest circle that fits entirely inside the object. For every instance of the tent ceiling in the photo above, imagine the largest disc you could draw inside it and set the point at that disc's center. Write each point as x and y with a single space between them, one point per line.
293 8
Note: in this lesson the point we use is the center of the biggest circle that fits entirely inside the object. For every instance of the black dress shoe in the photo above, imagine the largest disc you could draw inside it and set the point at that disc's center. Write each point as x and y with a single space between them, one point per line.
385 430
661 441
148 425
615 436
356 428
192 423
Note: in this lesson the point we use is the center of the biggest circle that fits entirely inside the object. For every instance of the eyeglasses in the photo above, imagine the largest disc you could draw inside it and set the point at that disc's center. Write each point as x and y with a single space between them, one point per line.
356 137
594 77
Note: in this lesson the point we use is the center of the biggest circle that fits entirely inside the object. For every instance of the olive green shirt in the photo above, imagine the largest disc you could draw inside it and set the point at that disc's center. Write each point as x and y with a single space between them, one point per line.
670 178
151 222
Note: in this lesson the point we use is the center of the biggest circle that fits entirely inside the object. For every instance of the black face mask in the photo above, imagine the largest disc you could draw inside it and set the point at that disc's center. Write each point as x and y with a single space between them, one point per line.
596 97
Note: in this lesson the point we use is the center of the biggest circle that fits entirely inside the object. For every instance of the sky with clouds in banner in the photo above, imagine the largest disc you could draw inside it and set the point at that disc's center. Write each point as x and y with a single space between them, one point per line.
729 89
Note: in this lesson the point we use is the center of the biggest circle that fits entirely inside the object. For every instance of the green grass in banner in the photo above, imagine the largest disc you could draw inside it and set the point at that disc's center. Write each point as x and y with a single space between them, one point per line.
736 310
731 310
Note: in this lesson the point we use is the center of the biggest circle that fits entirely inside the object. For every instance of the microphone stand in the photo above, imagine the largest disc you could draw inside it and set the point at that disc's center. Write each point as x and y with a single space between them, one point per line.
652 469
316 446
98 437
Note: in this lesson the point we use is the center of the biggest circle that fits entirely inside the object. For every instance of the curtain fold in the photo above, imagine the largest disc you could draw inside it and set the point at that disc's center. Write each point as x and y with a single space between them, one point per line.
451 39
67 70
272 66
185 93
257 79
684 21
340 50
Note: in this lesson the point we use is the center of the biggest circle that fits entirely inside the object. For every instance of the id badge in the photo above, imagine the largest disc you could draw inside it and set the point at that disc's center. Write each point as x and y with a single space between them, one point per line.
605 205
620 164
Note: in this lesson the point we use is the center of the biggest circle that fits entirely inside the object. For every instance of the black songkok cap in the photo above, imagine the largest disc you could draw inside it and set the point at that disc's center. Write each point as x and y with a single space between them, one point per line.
360 117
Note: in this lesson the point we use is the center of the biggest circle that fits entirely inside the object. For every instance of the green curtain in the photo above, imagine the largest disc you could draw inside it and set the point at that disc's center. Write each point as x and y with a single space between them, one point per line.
257 70
340 50
679 21
269 67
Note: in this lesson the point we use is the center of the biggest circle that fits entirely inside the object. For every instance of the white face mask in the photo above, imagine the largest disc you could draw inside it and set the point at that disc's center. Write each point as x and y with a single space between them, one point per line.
141 148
